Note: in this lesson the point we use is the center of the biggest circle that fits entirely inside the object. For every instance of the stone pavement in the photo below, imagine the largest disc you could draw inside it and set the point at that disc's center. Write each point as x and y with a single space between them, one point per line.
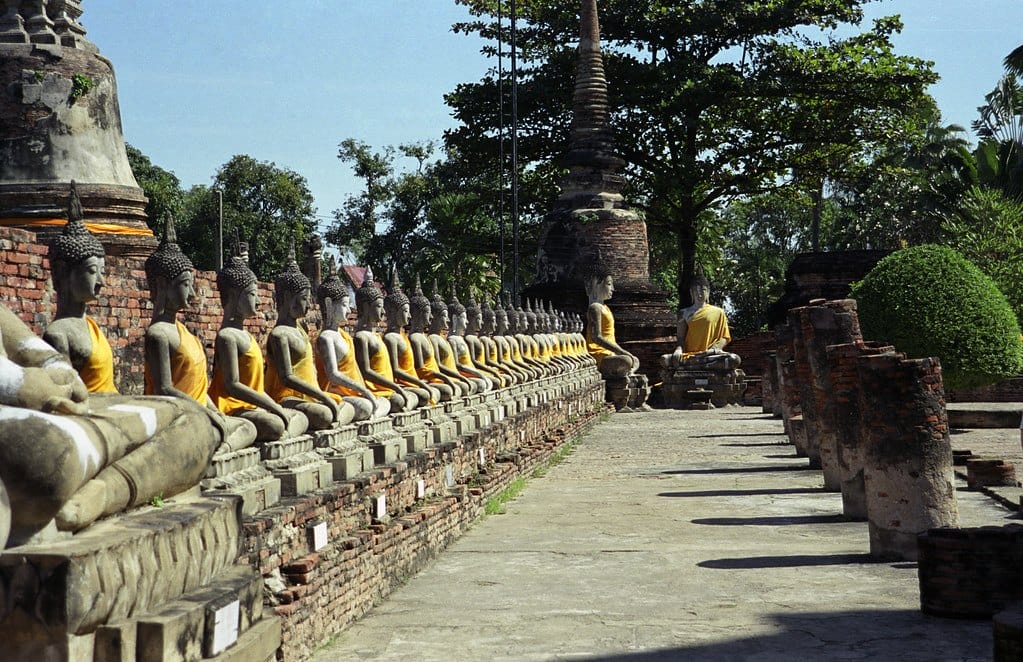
671 535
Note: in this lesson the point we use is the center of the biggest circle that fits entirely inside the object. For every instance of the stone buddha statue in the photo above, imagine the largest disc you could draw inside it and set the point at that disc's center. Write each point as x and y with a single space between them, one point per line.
494 356
403 363
478 348
444 353
612 360
371 353
507 343
237 387
175 360
291 377
68 458
462 356
77 260
423 356
702 334
336 365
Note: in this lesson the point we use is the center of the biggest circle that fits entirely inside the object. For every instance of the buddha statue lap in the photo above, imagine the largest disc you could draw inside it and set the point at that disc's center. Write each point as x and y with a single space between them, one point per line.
447 335
336 365
68 458
77 260
291 377
371 352
175 360
508 346
237 386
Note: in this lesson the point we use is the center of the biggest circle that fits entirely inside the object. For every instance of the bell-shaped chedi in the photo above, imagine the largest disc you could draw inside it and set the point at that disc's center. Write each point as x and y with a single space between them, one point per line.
60 121
591 220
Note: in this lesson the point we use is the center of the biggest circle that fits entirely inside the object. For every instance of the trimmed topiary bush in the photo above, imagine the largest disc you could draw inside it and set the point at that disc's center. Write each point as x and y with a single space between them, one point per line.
931 301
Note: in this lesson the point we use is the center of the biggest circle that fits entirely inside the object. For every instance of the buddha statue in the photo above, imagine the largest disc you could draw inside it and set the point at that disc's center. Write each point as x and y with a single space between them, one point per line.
702 334
506 325
612 360
477 347
237 387
461 355
403 363
291 377
498 352
69 458
175 360
371 354
439 332
423 360
336 365
77 260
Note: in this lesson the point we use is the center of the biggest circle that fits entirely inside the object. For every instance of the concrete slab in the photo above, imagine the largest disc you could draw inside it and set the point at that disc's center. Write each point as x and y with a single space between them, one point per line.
694 535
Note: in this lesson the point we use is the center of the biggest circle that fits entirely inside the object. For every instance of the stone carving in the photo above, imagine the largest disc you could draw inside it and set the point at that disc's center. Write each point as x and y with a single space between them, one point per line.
403 363
479 348
68 458
237 386
463 356
175 360
425 365
337 368
291 377
443 348
77 260
371 352
312 254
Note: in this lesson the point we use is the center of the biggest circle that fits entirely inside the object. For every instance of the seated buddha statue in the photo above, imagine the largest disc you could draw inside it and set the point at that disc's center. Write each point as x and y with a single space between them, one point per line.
507 343
533 349
371 354
458 356
403 363
175 360
498 351
702 334
77 261
612 360
68 457
477 348
336 366
423 355
291 377
237 386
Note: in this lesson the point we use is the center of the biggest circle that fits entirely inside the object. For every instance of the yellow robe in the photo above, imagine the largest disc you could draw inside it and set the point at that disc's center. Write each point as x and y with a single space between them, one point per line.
304 368
347 367
188 367
380 363
707 326
607 331
250 373
98 371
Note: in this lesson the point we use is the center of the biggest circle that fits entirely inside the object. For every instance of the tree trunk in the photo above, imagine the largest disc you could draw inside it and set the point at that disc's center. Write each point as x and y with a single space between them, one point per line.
686 258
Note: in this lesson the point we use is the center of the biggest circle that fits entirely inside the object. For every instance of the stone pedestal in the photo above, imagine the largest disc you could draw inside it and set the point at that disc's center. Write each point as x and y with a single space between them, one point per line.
989 471
347 454
381 437
627 394
441 427
726 387
297 464
409 426
459 413
242 473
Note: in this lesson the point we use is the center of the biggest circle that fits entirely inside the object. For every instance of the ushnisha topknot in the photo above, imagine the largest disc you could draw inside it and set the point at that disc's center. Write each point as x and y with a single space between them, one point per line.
437 303
455 306
418 303
700 279
167 261
395 298
291 279
331 287
236 274
368 292
594 270
472 307
75 243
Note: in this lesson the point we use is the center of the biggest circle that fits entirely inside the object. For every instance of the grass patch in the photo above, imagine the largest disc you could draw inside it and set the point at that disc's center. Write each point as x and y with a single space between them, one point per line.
559 456
495 505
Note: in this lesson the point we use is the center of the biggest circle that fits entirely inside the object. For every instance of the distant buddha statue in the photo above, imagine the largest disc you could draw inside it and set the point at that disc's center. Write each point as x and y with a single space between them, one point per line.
403 363
702 334
68 458
336 365
291 377
175 360
77 260
371 354
612 360
508 347
460 358
238 381
443 351
424 360
474 339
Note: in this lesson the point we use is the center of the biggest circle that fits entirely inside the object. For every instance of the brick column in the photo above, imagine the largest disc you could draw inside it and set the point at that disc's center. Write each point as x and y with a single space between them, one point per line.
804 387
907 455
769 385
788 388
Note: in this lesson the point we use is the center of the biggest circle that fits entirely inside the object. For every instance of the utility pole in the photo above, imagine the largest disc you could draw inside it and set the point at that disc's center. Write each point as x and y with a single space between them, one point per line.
219 248
515 158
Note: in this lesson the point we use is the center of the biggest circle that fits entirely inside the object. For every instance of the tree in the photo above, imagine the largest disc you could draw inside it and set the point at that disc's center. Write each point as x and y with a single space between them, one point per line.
162 187
723 99
1000 127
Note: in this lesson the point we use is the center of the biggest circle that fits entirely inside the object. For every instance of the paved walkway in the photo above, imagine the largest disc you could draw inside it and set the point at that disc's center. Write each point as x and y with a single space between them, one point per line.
670 536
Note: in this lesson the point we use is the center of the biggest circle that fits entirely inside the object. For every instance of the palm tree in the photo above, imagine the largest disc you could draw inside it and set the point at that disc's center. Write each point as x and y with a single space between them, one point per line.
1014 61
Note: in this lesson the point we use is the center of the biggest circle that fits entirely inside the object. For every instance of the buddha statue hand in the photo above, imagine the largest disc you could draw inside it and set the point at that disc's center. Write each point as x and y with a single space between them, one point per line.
56 390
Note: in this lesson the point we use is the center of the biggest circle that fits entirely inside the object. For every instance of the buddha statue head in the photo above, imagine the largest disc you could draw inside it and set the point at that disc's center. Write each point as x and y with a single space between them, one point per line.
238 290
489 319
292 290
369 302
699 289
332 295
419 308
77 259
500 319
441 318
170 274
598 281
458 314
473 317
396 305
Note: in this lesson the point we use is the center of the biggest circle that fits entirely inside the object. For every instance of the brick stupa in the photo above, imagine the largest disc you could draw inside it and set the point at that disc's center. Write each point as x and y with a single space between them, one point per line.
60 121
591 219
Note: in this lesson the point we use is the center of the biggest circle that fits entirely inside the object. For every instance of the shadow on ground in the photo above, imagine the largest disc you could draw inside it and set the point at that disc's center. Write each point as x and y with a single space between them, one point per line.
741 470
763 491
772 521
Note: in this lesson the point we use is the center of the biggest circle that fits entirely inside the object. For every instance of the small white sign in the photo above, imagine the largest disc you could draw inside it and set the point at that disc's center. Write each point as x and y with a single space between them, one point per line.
449 476
319 536
225 627
380 506
483 456
421 489
701 382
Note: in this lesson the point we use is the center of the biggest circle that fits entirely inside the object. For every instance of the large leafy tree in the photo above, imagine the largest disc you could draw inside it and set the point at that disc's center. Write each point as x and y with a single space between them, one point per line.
162 187
711 100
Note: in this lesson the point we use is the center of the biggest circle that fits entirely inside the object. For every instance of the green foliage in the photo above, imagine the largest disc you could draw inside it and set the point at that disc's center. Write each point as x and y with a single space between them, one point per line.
495 505
930 301
80 86
162 187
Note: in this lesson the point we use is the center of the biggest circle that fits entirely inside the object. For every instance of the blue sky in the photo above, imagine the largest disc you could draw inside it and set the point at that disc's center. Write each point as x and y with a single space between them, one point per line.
202 80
